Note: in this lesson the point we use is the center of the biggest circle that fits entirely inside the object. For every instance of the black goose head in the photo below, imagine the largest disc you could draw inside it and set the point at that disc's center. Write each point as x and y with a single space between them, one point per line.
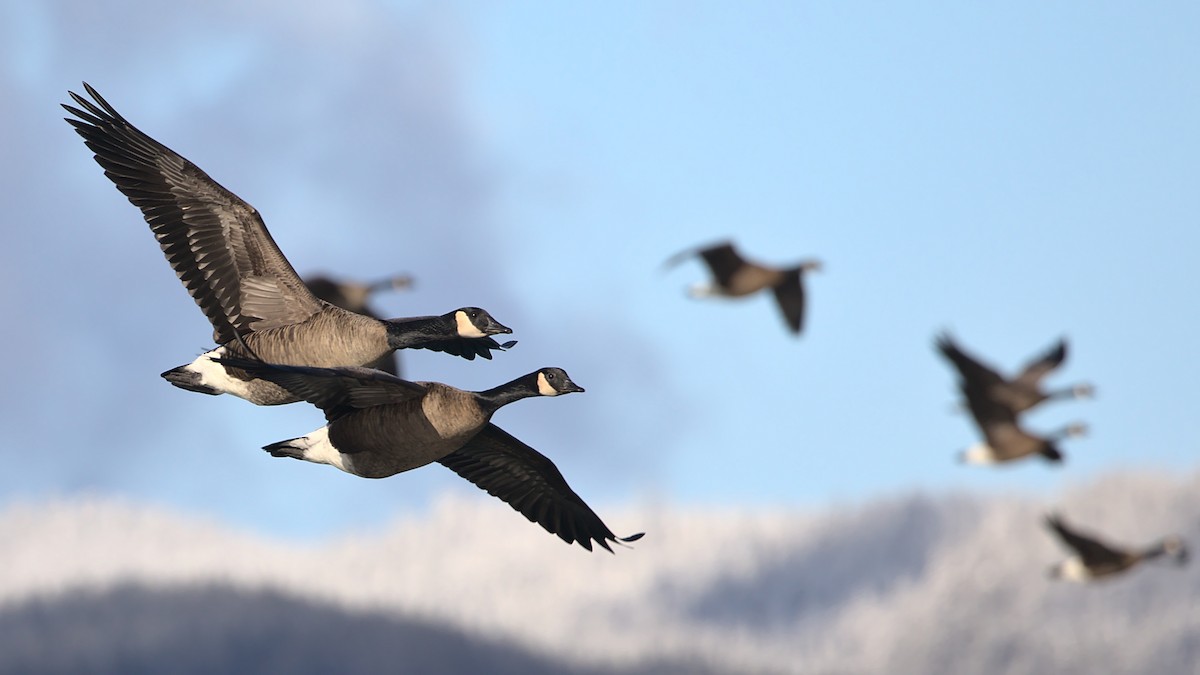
473 322
554 382
541 382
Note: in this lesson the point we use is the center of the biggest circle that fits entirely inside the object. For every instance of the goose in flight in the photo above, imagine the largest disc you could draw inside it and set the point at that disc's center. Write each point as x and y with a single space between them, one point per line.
380 425
1003 438
734 276
221 250
1094 559
1021 392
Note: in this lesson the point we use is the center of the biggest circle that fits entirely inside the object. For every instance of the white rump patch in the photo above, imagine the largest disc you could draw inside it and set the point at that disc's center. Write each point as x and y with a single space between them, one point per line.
212 374
980 453
1073 569
705 291
464 326
317 448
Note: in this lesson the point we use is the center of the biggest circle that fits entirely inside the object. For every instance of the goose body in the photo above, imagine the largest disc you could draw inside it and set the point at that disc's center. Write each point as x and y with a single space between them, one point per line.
220 249
331 339
1004 440
355 297
380 425
1095 559
734 276
1021 392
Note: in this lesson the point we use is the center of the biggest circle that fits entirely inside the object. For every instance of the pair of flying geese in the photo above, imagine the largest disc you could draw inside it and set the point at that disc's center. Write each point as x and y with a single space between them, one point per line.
996 403
278 343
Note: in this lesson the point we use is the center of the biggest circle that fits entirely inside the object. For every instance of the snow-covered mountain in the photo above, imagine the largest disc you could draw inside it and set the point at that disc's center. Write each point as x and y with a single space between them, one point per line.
911 584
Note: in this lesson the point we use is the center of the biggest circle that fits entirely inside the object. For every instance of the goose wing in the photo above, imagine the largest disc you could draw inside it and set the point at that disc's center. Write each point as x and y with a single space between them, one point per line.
723 261
1091 551
336 391
529 482
467 348
1035 370
216 243
985 410
971 370
790 297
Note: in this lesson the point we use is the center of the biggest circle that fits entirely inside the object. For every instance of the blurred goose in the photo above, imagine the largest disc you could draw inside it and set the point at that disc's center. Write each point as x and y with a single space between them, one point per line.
733 276
1022 392
222 252
1095 559
355 296
1004 439
380 425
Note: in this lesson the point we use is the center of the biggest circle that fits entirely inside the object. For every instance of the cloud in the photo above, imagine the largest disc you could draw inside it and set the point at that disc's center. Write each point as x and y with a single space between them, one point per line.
908 584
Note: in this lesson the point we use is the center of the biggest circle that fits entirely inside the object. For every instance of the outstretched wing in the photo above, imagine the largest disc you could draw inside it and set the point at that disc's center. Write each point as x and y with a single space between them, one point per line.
216 243
336 391
530 483
1035 370
972 371
790 297
1090 550
467 348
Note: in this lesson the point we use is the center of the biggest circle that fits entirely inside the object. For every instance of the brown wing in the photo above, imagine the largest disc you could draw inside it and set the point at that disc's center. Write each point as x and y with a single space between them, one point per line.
1091 551
723 261
790 297
971 370
530 483
1035 370
336 391
216 243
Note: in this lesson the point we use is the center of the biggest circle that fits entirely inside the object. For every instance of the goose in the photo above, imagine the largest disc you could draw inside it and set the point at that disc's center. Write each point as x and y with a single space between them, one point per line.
354 296
221 250
1004 439
1096 559
1023 391
380 425
733 277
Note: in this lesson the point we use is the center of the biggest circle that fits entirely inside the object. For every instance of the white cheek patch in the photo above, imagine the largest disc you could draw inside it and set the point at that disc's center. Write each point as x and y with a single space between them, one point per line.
464 326
544 387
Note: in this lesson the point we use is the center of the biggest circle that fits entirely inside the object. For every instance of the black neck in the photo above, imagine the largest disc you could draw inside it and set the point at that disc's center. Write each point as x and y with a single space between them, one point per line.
495 398
413 331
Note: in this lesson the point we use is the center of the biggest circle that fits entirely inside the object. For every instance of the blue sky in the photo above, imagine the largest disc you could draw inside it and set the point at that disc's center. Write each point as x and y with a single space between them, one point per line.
1011 173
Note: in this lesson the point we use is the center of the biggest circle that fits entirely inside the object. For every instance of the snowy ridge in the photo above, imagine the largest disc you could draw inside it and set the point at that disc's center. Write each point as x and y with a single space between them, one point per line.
908 584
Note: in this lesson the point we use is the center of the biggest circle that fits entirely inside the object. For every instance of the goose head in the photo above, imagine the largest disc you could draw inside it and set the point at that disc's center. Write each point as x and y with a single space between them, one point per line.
473 322
554 382
1174 547
541 382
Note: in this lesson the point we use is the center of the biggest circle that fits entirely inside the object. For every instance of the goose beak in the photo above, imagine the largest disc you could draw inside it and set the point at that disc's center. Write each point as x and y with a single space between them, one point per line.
494 327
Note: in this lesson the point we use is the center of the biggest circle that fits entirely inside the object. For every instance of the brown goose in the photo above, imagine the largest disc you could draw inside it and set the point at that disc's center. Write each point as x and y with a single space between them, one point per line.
222 252
1004 439
1095 559
355 296
379 425
734 277
1023 391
